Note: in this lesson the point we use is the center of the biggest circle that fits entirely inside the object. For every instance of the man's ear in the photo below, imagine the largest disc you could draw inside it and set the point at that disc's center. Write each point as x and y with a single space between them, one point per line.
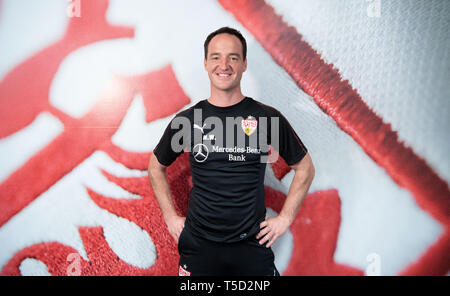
245 65
204 63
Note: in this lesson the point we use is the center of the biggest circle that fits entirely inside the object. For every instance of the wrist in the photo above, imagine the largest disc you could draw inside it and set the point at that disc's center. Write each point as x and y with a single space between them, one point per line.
288 219
170 216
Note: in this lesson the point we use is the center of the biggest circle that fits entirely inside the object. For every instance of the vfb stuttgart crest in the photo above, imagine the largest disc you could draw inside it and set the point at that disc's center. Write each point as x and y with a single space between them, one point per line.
249 125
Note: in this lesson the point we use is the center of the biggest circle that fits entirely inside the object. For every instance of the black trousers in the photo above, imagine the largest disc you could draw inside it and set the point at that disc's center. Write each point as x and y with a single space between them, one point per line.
202 257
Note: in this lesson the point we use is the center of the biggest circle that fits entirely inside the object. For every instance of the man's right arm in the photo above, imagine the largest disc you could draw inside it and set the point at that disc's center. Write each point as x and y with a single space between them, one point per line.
160 185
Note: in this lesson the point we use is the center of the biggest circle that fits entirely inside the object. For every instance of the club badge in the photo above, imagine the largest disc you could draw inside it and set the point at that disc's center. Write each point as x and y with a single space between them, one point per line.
182 271
249 125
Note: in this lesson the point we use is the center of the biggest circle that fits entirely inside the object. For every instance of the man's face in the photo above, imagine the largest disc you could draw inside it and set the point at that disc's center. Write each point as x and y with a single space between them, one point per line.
224 62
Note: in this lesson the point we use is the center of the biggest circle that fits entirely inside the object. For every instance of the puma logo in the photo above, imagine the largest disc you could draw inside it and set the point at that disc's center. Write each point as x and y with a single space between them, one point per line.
200 128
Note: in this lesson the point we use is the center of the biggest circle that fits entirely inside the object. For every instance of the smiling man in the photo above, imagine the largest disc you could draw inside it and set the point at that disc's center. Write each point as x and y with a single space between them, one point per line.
225 231
225 61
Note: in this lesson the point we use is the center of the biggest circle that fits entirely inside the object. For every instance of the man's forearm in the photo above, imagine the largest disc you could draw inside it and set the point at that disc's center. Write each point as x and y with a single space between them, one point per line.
273 228
161 190
300 184
158 179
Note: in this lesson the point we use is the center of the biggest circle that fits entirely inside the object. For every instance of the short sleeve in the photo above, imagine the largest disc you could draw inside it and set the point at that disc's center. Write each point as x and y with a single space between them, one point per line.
171 144
290 147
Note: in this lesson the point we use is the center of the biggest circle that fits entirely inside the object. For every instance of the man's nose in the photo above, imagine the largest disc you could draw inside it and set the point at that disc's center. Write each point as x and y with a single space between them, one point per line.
224 64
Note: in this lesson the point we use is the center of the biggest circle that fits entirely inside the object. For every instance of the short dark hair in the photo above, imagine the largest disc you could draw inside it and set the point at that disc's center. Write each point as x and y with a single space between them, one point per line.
227 30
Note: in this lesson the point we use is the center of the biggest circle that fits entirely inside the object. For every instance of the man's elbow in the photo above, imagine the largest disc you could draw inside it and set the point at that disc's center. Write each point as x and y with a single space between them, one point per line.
311 170
154 167
306 168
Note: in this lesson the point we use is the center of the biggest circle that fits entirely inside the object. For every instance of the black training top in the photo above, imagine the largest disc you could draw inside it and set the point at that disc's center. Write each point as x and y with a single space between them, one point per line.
227 152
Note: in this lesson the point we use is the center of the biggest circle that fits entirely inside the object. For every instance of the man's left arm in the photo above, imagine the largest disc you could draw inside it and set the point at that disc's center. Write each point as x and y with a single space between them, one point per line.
273 228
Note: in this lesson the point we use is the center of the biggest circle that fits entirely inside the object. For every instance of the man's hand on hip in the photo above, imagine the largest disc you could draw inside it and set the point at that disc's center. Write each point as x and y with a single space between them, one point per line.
175 224
272 229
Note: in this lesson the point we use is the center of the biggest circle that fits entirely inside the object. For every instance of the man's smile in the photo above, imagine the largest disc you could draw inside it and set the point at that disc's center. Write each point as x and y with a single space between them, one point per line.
223 76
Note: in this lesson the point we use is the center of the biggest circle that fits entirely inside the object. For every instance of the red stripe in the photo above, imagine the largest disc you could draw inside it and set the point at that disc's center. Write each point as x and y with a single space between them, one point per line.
339 100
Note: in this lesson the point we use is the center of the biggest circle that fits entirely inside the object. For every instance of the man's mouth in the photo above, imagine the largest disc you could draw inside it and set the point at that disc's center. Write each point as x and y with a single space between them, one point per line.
223 75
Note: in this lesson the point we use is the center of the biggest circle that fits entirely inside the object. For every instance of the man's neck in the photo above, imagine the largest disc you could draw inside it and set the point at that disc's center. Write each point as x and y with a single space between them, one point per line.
225 98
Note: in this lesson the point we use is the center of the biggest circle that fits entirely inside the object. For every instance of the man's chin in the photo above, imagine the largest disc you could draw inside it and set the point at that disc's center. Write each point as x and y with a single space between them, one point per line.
224 87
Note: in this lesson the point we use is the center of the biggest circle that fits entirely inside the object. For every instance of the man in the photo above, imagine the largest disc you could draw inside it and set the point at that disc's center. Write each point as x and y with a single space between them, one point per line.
225 231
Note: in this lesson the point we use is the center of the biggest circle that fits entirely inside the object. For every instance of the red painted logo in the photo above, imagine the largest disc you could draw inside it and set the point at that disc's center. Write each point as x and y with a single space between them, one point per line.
314 235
